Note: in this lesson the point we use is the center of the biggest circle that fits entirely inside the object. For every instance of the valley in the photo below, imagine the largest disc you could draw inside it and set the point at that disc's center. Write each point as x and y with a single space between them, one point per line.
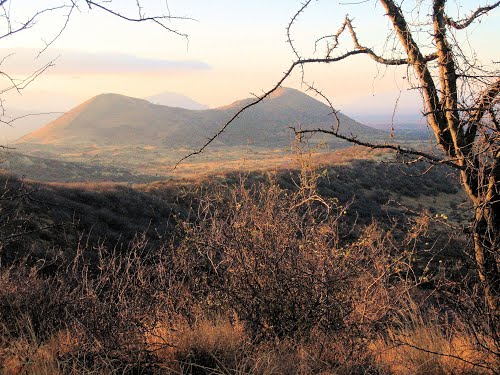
117 138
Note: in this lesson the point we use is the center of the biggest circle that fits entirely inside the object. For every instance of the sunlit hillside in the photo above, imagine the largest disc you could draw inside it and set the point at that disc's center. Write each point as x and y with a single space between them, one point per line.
111 119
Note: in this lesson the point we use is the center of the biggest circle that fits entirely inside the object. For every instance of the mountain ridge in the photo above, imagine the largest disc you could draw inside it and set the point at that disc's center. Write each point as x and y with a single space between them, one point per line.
115 119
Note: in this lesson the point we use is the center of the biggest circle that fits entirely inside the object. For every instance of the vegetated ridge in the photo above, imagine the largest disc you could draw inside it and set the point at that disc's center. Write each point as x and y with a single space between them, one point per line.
112 119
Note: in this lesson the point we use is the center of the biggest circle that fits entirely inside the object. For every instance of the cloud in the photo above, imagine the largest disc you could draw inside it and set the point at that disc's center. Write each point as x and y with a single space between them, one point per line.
25 61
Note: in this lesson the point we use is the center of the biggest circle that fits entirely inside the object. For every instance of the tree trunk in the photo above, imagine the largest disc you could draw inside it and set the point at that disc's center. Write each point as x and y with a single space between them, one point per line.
485 254
486 235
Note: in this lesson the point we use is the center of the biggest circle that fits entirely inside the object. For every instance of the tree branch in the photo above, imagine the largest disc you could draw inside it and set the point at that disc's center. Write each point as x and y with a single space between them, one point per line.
447 75
31 21
374 56
10 121
23 83
462 24
48 44
437 120
405 151
289 27
156 19
484 103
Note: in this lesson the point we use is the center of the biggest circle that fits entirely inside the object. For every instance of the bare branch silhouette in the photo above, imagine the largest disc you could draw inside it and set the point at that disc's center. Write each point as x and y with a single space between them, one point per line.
462 24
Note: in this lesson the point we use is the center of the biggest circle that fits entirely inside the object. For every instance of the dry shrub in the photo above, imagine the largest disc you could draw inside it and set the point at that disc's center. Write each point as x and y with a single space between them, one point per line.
381 285
283 261
30 305
273 256
108 304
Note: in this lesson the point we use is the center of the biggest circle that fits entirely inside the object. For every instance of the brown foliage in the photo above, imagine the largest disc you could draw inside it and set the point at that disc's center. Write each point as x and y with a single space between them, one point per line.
256 279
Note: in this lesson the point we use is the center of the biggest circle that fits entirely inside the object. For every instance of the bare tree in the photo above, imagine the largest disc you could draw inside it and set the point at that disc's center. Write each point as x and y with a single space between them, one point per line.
460 97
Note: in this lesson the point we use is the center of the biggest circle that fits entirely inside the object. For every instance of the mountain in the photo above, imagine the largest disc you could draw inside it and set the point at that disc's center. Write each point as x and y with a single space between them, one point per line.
112 119
173 99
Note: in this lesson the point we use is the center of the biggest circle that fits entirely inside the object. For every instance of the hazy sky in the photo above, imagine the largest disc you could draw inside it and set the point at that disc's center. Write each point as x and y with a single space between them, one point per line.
235 47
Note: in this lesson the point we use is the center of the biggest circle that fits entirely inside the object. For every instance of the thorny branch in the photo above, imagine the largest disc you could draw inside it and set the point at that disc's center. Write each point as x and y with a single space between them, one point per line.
462 24
21 84
483 105
401 150
159 20
370 52
29 23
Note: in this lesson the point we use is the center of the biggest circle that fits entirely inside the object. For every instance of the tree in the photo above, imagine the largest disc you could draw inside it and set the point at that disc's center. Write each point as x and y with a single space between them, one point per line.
460 99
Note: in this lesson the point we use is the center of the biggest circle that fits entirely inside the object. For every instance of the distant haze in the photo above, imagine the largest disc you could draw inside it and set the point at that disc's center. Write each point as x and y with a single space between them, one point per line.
387 121
173 99
401 110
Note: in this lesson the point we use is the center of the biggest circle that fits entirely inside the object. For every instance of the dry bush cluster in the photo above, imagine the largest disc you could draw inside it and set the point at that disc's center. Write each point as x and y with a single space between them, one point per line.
106 305
255 279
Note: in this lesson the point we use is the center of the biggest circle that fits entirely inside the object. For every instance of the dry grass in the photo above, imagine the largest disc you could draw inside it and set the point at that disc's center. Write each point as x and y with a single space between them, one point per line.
427 348
223 347
30 356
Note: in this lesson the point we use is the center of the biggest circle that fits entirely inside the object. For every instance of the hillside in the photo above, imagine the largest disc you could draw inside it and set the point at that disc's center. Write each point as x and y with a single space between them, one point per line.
111 119
51 169
114 212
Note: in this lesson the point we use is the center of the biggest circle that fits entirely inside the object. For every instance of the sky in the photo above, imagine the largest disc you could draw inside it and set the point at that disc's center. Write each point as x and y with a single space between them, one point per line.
235 48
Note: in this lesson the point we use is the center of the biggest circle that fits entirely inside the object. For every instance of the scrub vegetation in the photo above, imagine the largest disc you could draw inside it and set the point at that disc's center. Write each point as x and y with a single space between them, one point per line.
293 272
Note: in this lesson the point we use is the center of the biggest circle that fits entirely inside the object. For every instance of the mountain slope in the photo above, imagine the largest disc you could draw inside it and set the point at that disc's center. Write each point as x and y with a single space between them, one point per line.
112 119
22 122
